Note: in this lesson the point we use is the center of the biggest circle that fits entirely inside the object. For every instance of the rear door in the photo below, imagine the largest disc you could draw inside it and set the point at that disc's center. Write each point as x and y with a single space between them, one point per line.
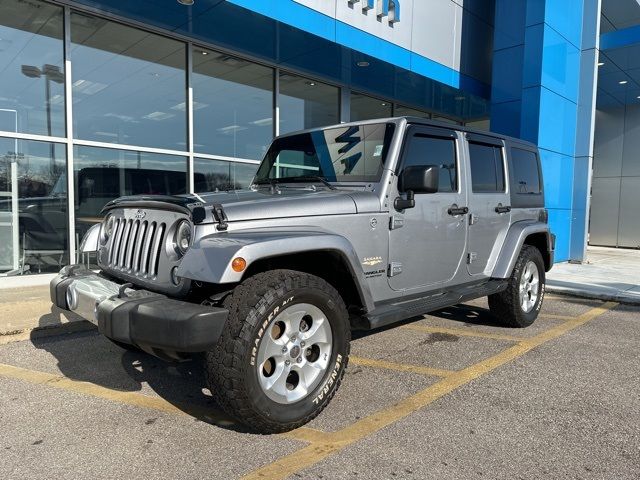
489 202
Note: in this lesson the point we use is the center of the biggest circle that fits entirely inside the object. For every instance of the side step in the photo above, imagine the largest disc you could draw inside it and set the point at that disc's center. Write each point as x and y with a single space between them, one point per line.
403 309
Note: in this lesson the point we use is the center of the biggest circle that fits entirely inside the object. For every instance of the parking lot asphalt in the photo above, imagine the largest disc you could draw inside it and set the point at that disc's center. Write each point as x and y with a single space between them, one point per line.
448 395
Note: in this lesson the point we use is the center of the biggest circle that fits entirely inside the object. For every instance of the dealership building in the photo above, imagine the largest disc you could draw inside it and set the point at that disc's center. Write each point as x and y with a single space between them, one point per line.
103 98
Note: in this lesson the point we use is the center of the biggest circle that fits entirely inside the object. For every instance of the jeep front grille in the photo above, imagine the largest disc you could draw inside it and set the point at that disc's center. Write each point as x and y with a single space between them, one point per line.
136 246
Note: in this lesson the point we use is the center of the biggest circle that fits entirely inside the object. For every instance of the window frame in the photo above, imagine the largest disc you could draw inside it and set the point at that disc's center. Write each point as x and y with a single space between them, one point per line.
494 143
431 132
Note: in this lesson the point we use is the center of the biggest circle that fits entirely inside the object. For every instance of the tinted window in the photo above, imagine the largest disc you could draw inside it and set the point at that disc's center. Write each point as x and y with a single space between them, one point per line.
487 171
526 175
426 150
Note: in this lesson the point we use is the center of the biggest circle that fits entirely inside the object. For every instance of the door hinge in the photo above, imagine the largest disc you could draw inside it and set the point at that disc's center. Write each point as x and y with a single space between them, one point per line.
473 218
396 222
471 257
395 268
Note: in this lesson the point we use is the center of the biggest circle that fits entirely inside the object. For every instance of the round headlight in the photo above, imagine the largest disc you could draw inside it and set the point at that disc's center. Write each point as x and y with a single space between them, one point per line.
107 229
182 238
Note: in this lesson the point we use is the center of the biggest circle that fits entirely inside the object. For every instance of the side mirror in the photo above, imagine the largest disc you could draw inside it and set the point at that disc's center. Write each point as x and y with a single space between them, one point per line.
420 179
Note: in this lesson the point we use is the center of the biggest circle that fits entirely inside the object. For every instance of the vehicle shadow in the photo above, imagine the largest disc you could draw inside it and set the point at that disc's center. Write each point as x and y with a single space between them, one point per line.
460 315
85 355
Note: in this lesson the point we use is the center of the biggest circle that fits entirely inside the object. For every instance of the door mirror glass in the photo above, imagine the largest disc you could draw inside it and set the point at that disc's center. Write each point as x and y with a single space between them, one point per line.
420 179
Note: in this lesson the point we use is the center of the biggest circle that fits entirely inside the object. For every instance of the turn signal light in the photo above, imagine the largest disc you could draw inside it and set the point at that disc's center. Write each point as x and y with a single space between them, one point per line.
239 264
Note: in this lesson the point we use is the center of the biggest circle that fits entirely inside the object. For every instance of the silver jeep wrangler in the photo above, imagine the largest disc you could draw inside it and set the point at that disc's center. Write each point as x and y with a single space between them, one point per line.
354 226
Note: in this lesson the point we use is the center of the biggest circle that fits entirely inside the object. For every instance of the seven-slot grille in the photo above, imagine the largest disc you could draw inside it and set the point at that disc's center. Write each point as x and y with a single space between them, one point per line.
136 246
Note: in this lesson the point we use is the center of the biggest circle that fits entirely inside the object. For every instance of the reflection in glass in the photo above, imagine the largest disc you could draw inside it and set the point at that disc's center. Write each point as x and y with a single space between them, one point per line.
33 190
402 111
129 86
233 105
342 154
103 174
306 103
218 175
364 107
31 68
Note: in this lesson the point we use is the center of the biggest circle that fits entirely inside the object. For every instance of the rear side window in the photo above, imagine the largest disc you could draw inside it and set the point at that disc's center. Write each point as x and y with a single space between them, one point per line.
487 168
526 173
428 150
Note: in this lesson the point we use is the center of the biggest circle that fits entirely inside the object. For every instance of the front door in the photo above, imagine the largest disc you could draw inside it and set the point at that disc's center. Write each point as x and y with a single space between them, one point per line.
427 242
489 203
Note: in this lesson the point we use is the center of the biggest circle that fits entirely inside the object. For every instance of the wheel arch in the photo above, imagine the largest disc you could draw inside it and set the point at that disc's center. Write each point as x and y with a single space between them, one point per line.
531 233
324 254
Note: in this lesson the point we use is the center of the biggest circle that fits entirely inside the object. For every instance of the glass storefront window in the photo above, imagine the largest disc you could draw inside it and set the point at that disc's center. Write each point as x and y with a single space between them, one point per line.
306 103
129 86
402 111
32 68
232 105
219 175
103 174
33 193
364 107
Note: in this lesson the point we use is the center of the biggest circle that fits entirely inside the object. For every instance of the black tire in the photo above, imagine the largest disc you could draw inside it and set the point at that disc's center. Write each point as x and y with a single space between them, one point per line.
506 306
230 367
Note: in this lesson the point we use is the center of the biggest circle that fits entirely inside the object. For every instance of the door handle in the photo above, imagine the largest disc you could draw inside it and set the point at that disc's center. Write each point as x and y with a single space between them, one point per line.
502 209
456 210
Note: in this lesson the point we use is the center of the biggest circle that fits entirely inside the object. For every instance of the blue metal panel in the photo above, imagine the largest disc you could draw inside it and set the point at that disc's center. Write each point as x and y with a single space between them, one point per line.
560 225
557 123
558 179
507 85
510 32
557 102
561 65
505 118
378 48
620 38
565 17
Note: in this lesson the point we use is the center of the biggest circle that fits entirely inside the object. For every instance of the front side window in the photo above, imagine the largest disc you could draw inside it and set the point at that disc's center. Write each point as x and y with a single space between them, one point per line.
487 170
345 154
440 151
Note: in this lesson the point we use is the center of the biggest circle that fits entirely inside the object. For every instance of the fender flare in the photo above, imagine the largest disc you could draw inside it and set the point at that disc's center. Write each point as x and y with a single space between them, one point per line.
516 237
209 258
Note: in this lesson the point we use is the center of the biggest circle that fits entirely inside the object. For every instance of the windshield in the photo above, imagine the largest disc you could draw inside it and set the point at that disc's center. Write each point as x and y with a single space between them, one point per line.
342 154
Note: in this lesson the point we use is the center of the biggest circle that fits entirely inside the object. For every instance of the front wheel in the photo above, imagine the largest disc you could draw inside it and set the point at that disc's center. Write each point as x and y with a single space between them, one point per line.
520 303
283 352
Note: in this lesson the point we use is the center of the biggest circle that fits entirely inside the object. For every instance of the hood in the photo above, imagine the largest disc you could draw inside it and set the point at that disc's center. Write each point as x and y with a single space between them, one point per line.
262 204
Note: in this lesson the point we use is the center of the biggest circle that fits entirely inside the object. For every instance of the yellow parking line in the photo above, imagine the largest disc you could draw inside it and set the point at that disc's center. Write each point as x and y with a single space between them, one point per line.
334 442
201 412
400 367
461 332
556 317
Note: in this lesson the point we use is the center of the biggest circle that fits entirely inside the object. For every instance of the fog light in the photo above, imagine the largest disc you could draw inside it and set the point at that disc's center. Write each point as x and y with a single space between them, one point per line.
239 264
72 298
174 276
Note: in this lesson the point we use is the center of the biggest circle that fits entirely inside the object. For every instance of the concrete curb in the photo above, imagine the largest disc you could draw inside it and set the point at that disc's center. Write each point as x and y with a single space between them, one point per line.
593 293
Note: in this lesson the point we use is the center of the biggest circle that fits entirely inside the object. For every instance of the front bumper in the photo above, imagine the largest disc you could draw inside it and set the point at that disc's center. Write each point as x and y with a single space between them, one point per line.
151 321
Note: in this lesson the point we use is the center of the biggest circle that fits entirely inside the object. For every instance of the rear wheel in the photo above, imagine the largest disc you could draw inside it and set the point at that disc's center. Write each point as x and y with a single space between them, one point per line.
283 352
520 303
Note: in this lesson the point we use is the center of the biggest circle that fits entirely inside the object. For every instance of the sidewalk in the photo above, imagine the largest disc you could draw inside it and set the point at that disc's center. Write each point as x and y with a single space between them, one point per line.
608 274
